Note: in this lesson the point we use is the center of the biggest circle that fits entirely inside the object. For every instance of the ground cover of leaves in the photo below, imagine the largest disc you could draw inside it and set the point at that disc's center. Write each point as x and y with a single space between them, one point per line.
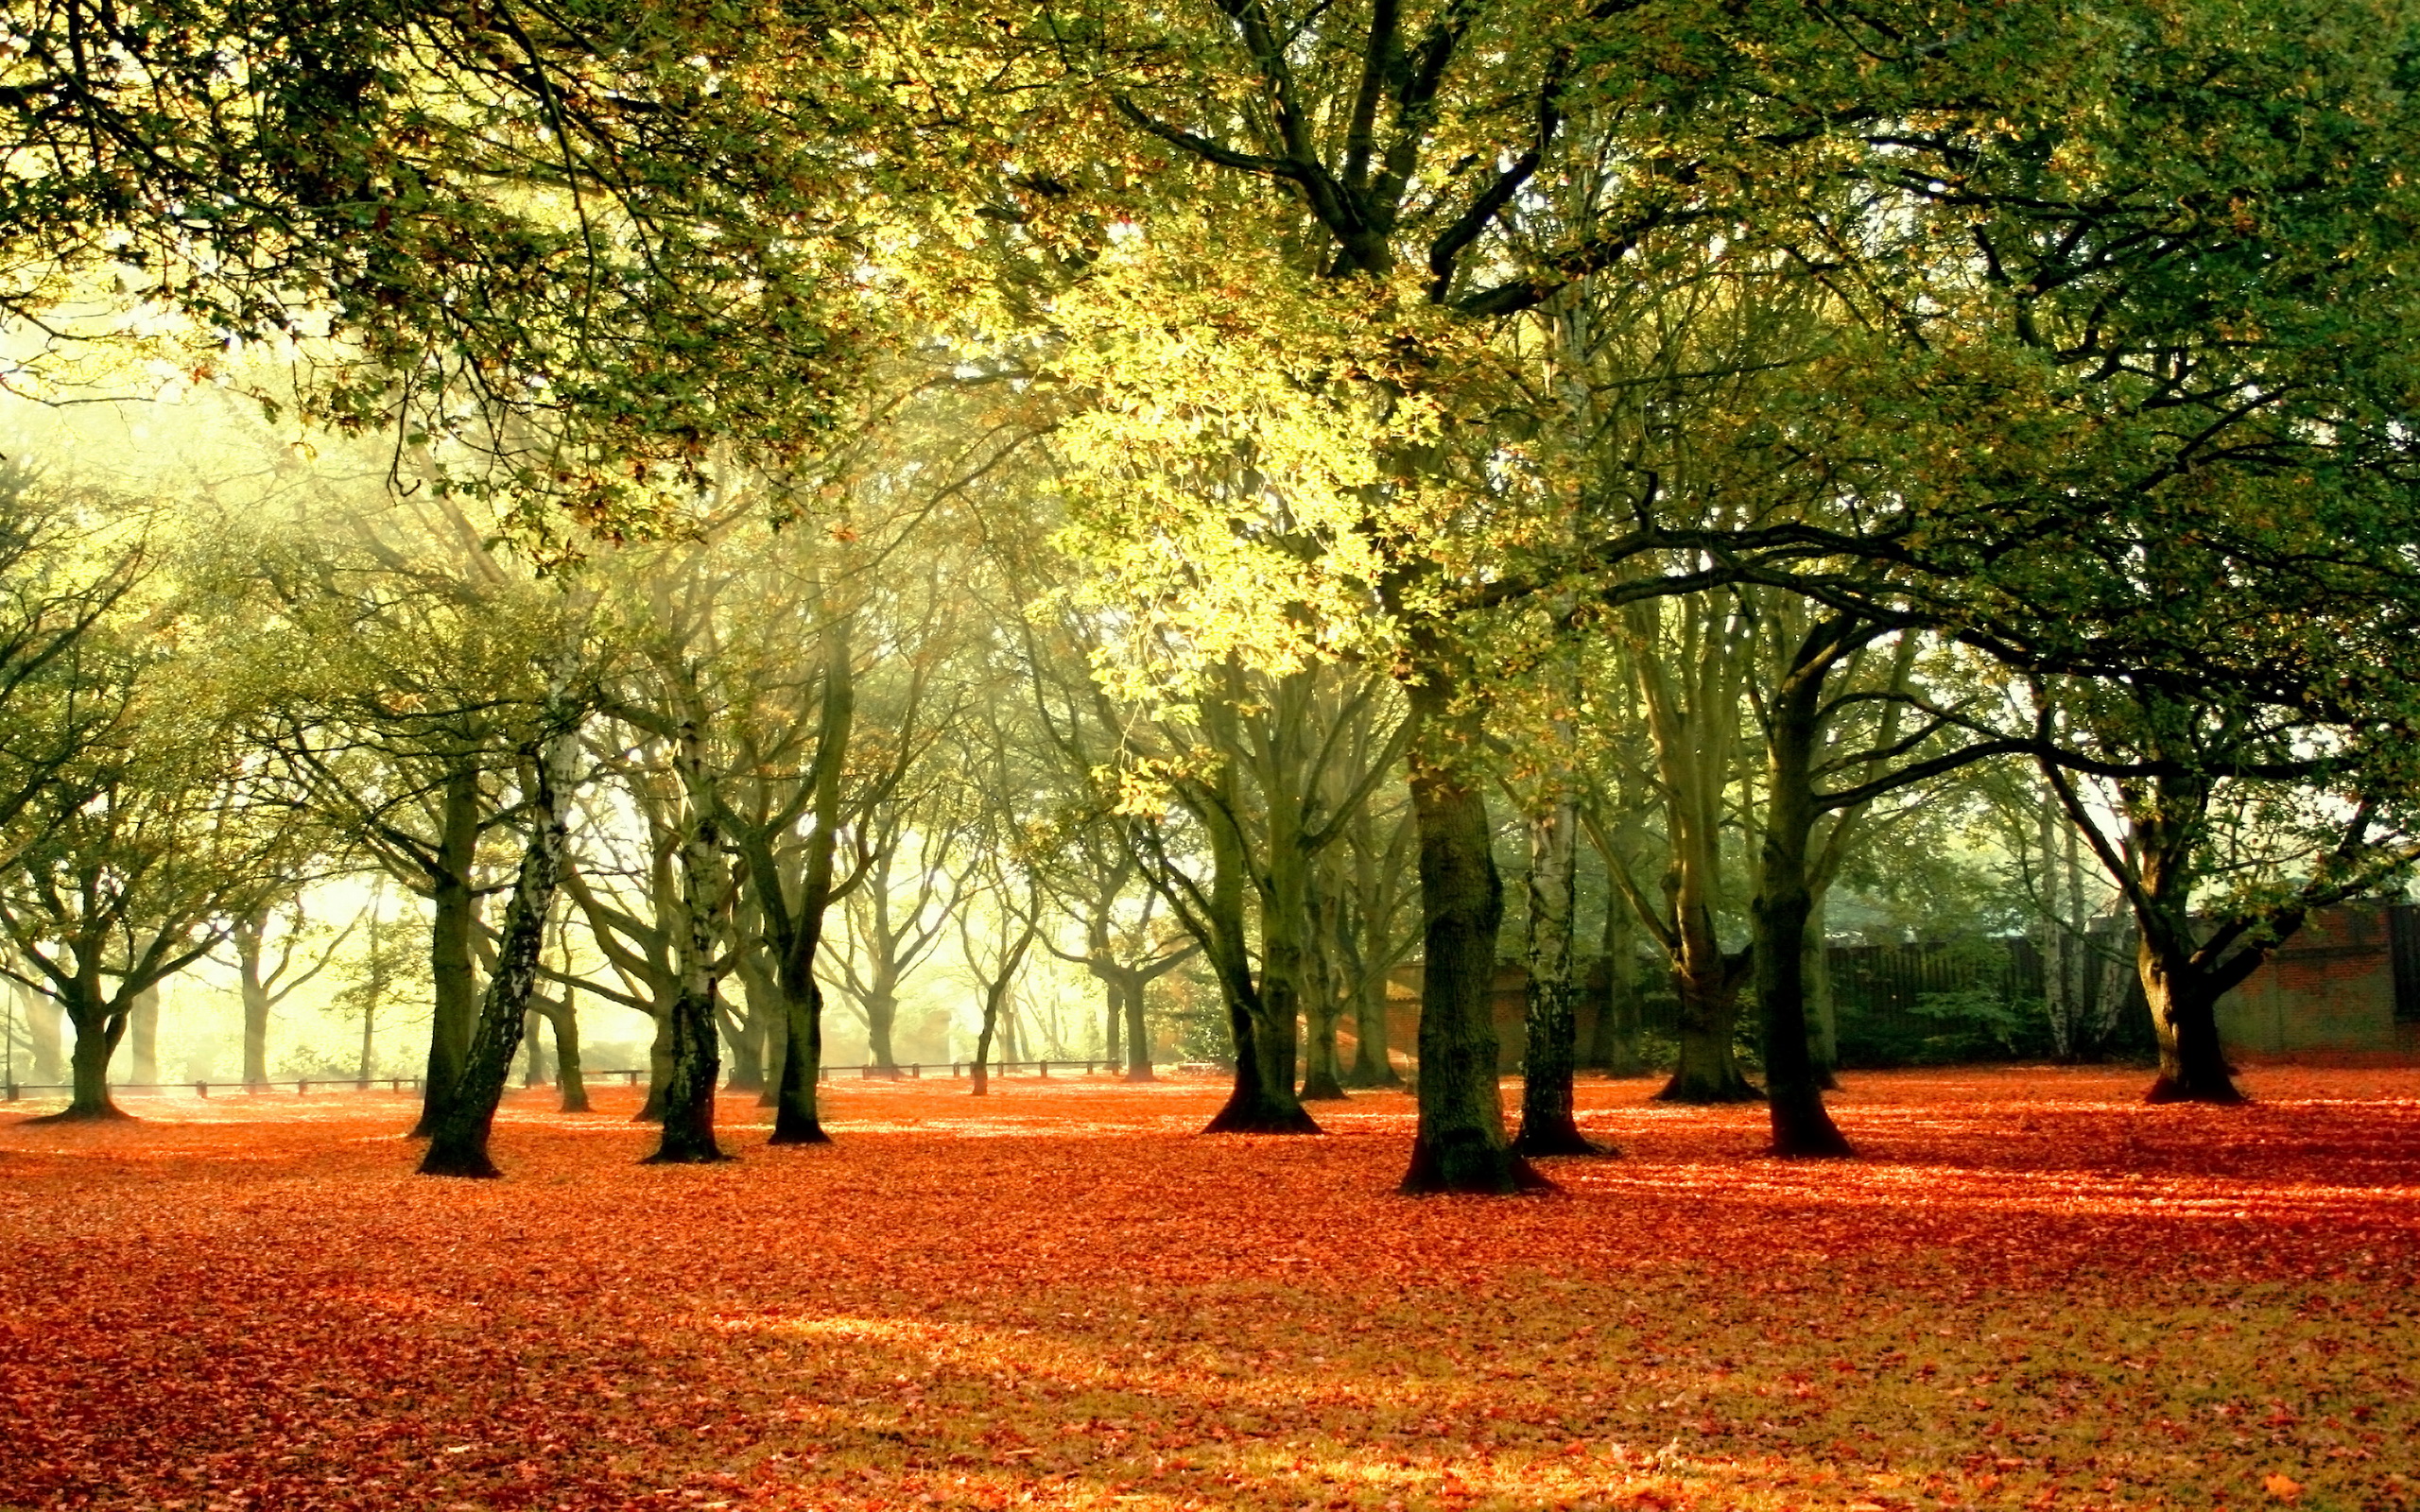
2033 1291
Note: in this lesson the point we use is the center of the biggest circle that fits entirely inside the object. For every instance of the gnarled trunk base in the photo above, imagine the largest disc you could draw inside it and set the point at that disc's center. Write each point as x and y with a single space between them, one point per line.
1474 1165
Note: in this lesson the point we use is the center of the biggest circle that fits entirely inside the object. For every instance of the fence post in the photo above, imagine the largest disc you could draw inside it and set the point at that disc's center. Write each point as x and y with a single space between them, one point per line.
202 1089
915 1072
1044 1069
303 1087
12 1089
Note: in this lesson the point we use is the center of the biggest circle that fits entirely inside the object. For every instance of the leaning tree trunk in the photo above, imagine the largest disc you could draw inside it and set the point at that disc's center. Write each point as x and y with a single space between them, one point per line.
459 1145
1547 1126
1460 1145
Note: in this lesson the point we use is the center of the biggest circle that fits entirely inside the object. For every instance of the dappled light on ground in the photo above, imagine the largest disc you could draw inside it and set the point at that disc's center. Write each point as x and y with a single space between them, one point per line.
2033 1291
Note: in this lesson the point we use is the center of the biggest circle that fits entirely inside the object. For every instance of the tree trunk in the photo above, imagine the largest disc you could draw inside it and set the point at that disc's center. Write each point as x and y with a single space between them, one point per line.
1547 1126
1264 1100
659 1068
1322 1080
563 1018
744 1036
696 1047
1461 1145
1822 1012
1783 902
1112 1017
882 1016
2184 1018
1372 1065
795 1117
1613 1047
1709 1071
255 993
98 1032
143 1039
1138 1039
452 922
459 1145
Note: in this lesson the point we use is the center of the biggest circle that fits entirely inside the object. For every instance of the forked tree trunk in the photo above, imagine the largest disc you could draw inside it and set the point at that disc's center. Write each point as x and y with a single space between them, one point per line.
1708 1072
459 1145
1547 1126
1460 1145
1264 1100
98 1032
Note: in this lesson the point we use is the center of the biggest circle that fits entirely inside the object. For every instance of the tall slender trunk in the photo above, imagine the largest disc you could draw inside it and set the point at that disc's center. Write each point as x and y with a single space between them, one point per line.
1138 1039
1547 1126
1264 1100
1613 1044
1322 1003
1373 1066
1113 1017
252 984
697 1048
1460 1145
797 933
453 925
459 1143
1785 902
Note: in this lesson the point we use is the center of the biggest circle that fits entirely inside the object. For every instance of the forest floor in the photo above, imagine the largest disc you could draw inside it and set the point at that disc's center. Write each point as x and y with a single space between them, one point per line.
2031 1291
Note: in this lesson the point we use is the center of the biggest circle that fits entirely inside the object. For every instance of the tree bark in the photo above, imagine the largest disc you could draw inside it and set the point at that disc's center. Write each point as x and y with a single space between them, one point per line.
697 1059
1785 902
1614 1046
2184 1019
1264 1100
563 1018
452 969
458 1148
98 1032
255 991
1547 1126
1138 1039
1460 1145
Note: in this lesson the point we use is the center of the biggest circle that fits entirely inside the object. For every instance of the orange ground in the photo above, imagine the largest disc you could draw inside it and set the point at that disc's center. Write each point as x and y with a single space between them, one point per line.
2033 1291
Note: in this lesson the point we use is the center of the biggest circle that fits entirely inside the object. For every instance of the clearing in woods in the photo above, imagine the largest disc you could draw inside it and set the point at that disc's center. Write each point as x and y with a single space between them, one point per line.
2033 1291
